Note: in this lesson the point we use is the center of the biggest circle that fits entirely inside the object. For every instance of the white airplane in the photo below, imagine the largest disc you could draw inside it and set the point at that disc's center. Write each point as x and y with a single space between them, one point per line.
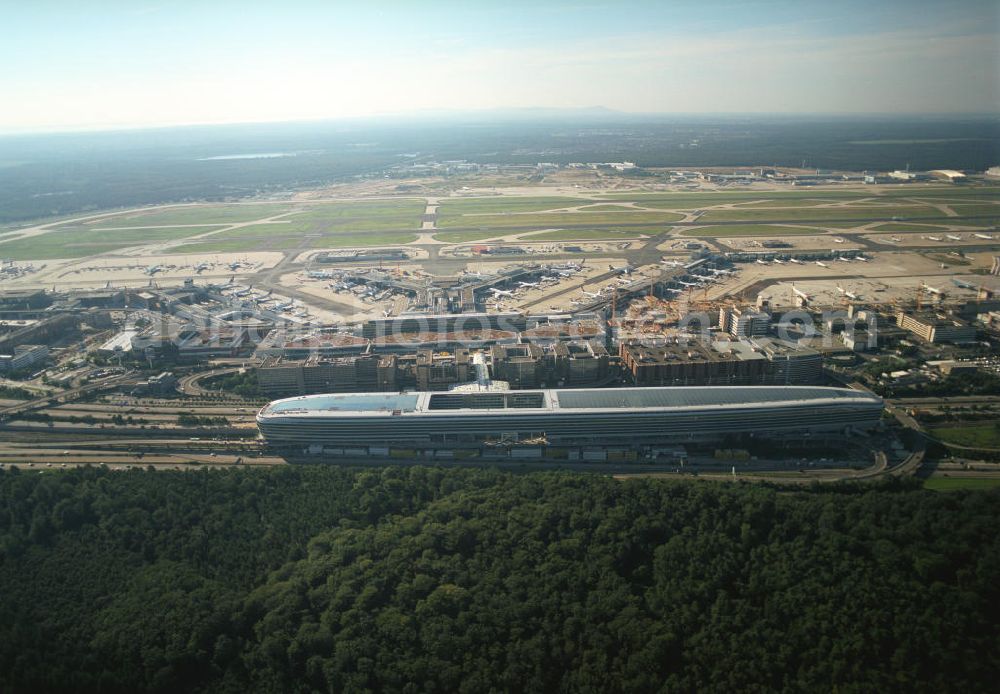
319 275
386 313
953 237
778 262
201 267
861 258
593 295
674 291
507 294
983 236
897 239
795 260
761 262
243 292
932 290
838 240
624 269
799 292
673 263
529 285
843 258
935 238
687 284
821 263
235 265
284 305
153 269
719 272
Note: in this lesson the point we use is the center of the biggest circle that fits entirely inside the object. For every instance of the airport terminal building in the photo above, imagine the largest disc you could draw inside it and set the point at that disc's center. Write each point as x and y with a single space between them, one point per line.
374 423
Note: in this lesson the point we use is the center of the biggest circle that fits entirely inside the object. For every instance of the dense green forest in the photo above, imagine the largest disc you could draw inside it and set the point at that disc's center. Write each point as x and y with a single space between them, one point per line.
423 579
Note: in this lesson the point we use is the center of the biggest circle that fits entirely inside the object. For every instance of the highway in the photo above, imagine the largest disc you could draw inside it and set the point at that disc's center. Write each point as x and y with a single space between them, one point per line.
68 395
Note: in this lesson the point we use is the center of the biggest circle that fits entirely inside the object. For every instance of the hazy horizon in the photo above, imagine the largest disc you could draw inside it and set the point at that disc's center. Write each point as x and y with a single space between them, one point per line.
127 65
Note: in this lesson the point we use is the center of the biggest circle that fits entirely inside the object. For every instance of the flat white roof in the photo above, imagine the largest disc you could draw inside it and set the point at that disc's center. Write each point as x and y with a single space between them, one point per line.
562 400
122 341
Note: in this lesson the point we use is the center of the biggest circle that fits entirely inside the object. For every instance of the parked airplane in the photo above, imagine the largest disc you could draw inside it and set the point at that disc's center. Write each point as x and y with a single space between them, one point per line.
821 263
953 237
795 260
778 262
502 293
320 275
673 263
687 284
983 236
838 240
935 238
761 262
529 285
153 269
624 269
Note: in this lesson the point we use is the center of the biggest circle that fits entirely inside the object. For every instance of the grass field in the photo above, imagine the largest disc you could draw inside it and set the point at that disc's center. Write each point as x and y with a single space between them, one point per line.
507 204
976 210
584 235
694 201
335 219
948 484
256 243
80 243
558 219
839 225
896 226
748 230
289 243
822 213
195 214
797 202
605 208
976 436
463 236
688 200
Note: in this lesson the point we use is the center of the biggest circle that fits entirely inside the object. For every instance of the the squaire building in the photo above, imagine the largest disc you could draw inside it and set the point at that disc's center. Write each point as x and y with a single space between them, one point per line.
584 417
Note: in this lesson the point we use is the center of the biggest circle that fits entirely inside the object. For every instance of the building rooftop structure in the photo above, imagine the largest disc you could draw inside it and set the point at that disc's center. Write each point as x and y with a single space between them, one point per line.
348 404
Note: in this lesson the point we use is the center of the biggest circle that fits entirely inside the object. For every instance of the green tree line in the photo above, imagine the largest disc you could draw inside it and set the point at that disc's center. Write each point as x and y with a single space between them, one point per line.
416 579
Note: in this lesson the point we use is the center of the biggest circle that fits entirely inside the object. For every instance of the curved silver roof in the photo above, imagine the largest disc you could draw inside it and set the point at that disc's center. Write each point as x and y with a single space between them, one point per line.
541 401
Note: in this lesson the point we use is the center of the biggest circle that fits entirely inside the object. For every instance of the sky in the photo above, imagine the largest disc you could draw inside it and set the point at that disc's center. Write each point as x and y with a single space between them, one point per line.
71 65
